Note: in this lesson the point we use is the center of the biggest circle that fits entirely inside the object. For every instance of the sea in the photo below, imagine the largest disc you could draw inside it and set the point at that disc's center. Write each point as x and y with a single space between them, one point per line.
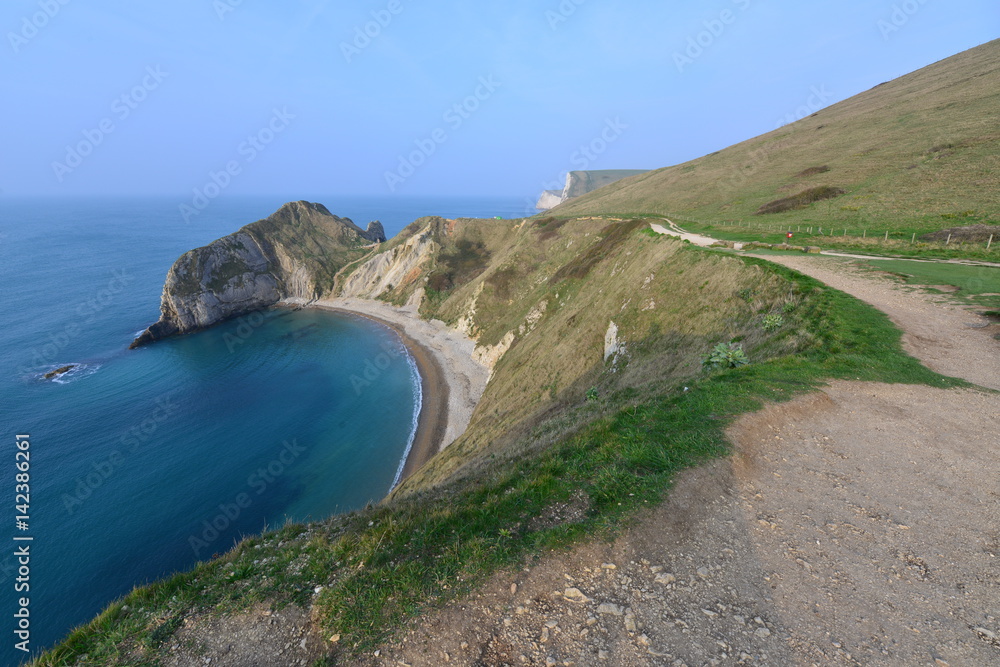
140 463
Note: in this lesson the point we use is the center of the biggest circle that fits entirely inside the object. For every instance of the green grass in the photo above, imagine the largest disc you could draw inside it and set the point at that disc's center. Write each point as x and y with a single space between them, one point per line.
977 285
917 154
385 564
902 241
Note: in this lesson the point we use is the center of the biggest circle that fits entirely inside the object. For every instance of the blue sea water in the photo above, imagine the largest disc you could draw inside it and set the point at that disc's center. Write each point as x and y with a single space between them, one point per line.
144 462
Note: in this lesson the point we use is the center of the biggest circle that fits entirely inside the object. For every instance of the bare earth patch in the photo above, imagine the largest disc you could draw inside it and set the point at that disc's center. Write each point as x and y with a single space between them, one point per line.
256 637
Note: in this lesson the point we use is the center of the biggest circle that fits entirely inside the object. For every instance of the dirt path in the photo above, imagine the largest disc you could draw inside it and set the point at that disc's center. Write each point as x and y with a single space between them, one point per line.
673 230
948 338
859 525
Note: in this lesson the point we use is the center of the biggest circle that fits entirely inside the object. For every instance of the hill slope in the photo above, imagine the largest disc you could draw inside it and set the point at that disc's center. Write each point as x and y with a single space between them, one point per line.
920 152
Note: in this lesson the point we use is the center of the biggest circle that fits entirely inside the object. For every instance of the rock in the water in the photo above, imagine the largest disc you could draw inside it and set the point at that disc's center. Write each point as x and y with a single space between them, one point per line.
59 371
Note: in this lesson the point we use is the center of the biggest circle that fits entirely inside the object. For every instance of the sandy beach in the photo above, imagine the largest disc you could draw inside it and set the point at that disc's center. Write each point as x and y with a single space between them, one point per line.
451 380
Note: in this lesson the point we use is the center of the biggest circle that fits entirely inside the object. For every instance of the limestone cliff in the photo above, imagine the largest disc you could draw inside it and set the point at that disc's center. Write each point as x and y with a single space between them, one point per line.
391 269
549 199
581 182
295 252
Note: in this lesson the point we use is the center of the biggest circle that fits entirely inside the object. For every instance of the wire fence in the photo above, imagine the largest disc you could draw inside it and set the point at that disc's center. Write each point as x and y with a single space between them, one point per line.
862 235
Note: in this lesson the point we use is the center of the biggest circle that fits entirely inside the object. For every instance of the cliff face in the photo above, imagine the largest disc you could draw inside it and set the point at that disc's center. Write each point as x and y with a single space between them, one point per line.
391 269
580 183
549 199
293 253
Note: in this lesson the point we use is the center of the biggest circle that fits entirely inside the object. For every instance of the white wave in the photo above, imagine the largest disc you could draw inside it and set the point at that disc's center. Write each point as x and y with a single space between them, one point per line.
79 371
417 406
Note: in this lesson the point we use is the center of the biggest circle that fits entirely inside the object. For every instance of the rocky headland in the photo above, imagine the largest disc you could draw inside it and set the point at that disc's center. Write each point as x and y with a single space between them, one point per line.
294 253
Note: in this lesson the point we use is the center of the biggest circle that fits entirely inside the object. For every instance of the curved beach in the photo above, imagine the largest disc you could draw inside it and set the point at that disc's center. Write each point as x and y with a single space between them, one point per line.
452 382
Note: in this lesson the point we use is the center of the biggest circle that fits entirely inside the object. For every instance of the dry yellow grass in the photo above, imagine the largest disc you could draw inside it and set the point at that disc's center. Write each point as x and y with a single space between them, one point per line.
912 153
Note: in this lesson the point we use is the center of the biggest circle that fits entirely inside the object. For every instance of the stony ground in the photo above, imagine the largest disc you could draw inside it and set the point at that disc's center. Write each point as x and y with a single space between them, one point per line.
859 525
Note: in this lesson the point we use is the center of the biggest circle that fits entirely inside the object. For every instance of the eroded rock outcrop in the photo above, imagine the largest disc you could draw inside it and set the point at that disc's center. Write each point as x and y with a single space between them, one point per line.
295 252
393 268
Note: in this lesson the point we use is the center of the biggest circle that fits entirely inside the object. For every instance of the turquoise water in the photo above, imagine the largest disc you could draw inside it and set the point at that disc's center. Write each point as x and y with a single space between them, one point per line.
144 462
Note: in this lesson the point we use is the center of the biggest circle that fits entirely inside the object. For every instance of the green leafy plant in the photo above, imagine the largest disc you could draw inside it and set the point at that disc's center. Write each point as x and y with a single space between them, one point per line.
726 355
746 294
773 322
592 394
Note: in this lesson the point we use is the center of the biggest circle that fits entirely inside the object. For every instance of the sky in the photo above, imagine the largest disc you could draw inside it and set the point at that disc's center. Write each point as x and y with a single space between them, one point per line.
396 97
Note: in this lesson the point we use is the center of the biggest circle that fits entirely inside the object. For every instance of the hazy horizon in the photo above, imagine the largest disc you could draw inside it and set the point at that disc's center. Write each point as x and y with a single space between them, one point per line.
383 98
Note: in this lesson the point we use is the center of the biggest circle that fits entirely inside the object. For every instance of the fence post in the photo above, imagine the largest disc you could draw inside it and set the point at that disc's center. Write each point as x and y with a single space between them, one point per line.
864 234
913 238
989 243
949 239
887 235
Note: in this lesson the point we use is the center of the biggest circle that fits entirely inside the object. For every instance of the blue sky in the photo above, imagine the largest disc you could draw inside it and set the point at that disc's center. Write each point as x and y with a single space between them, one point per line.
398 97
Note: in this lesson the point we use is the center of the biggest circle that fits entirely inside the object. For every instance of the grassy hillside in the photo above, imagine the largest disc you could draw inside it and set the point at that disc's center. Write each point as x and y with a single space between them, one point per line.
549 290
569 441
912 156
320 241
565 444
